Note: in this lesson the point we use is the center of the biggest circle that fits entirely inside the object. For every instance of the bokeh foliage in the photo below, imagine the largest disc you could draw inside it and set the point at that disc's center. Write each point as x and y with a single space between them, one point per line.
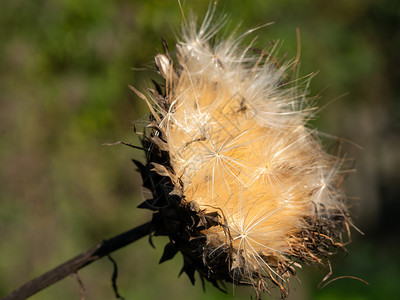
65 68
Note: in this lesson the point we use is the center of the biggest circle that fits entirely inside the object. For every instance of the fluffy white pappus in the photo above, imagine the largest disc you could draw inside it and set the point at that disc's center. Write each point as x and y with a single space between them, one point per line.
239 146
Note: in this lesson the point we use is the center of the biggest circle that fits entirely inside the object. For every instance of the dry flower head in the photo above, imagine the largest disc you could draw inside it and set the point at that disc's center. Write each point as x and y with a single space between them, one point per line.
240 184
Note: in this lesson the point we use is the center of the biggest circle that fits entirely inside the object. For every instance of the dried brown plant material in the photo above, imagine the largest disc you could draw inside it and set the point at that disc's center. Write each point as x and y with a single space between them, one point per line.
240 183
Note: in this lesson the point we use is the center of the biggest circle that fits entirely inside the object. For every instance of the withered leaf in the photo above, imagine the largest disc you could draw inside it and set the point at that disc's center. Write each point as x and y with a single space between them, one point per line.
170 251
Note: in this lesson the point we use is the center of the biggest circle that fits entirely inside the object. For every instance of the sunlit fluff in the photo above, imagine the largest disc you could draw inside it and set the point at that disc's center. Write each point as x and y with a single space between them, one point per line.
238 143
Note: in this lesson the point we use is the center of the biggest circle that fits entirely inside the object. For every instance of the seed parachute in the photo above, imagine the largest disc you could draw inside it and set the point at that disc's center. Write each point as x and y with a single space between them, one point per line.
239 182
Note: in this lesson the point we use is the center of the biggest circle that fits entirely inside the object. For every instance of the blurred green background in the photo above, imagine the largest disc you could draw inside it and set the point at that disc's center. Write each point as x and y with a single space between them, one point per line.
64 70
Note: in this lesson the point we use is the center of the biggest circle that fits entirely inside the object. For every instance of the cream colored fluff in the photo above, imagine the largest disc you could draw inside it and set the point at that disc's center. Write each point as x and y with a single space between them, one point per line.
239 145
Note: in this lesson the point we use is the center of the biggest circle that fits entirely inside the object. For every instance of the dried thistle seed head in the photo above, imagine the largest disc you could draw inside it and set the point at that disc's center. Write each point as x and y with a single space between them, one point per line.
240 184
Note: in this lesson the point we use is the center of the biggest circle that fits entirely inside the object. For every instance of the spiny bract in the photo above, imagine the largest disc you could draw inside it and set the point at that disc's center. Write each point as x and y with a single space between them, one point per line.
238 147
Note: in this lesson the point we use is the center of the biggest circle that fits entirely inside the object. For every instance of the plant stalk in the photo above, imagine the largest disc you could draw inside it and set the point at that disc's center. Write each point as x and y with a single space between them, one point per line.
82 260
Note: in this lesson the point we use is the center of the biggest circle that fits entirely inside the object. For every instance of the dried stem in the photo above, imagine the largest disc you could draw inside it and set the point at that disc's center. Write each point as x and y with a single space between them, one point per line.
73 265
